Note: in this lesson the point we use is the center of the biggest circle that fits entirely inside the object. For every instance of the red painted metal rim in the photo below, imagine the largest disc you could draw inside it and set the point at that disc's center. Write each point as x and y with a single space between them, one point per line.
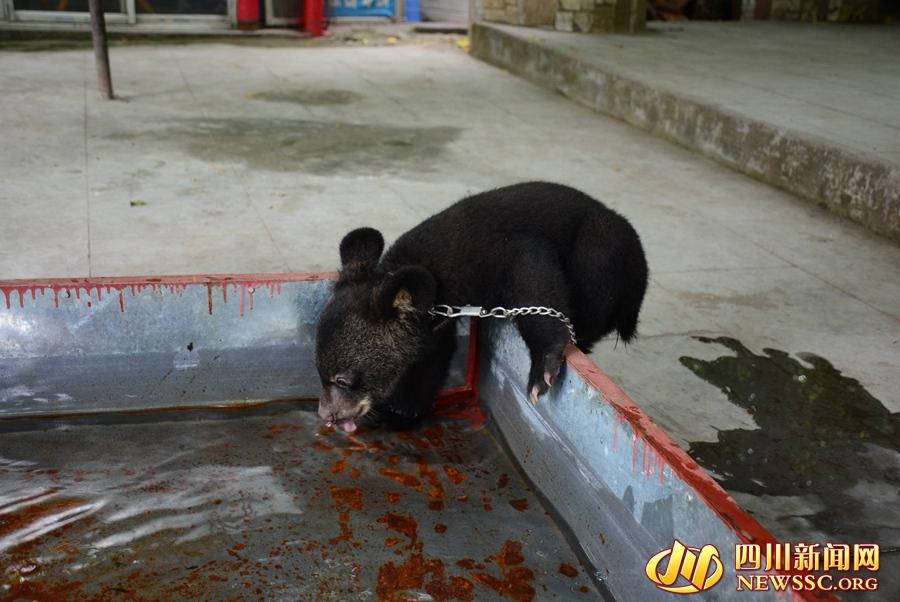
245 282
726 508
182 280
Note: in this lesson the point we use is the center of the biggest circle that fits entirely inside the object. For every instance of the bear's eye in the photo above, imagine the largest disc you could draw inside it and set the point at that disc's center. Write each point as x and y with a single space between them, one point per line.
342 381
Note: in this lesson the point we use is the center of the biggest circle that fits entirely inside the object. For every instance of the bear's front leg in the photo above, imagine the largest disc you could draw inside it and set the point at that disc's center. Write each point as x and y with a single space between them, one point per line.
538 279
546 361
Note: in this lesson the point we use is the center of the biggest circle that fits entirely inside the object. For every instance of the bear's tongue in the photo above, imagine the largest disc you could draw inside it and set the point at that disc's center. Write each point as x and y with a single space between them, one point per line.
349 426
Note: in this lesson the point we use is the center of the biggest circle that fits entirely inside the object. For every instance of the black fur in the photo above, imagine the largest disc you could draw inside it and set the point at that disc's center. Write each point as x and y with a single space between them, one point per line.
529 244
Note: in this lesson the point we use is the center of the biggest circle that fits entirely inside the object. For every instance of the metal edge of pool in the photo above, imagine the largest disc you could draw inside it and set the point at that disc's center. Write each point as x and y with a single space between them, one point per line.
622 487
70 346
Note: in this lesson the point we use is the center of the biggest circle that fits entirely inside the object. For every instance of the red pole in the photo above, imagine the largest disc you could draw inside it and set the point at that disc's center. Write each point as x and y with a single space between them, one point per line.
314 17
248 14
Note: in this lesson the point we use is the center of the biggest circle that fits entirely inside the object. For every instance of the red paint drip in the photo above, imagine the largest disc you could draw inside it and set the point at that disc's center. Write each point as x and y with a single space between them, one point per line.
644 458
209 298
634 443
136 286
618 420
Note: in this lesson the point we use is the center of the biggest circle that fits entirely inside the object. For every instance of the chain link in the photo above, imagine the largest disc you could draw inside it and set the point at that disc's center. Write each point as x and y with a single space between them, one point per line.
474 311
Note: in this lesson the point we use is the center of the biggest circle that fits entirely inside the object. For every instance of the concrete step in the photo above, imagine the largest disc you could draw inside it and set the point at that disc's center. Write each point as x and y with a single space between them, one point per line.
808 110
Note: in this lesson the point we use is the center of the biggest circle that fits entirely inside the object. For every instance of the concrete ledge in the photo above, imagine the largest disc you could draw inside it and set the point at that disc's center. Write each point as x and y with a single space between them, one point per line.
860 187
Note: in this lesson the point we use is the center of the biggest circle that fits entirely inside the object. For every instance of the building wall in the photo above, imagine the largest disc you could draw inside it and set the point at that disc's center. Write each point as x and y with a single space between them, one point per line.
844 11
453 11
565 15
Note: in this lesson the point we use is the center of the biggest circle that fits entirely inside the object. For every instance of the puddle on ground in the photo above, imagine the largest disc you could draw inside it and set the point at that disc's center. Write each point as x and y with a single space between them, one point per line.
264 503
305 96
321 147
820 432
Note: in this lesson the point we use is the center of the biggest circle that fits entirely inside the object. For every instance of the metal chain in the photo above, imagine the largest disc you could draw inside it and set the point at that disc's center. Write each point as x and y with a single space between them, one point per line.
475 311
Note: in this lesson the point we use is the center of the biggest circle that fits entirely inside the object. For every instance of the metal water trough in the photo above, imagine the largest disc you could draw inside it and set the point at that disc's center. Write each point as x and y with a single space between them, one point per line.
158 440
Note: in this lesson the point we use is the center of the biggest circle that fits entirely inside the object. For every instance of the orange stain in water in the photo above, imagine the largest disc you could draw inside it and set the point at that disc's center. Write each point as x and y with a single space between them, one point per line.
422 443
417 573
436 490
515 582
404 478
435 436
32 590
34 513
520 505
345 499
402 524
395 581
322 446
455 475
275 430
568 570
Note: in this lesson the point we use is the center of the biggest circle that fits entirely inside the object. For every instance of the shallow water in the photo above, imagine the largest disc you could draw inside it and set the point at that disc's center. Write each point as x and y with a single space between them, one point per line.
265 503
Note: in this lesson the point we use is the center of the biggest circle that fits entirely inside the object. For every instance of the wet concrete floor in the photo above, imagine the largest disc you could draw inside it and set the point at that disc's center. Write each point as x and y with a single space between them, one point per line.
819 435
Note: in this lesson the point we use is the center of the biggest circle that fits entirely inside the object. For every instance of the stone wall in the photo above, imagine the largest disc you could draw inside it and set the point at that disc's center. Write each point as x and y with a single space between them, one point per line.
630 15
565 15
842 11
585 15
518 12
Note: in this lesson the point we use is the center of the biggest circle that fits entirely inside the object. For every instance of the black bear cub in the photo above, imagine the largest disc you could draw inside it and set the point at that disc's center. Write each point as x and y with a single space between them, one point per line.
383 358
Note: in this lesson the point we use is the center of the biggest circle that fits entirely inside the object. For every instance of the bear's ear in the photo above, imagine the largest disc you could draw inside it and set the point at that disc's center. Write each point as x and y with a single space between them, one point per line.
410 289
360 251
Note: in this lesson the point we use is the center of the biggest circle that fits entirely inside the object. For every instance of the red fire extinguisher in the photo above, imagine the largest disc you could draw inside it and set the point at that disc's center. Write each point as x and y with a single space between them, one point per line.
312 15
